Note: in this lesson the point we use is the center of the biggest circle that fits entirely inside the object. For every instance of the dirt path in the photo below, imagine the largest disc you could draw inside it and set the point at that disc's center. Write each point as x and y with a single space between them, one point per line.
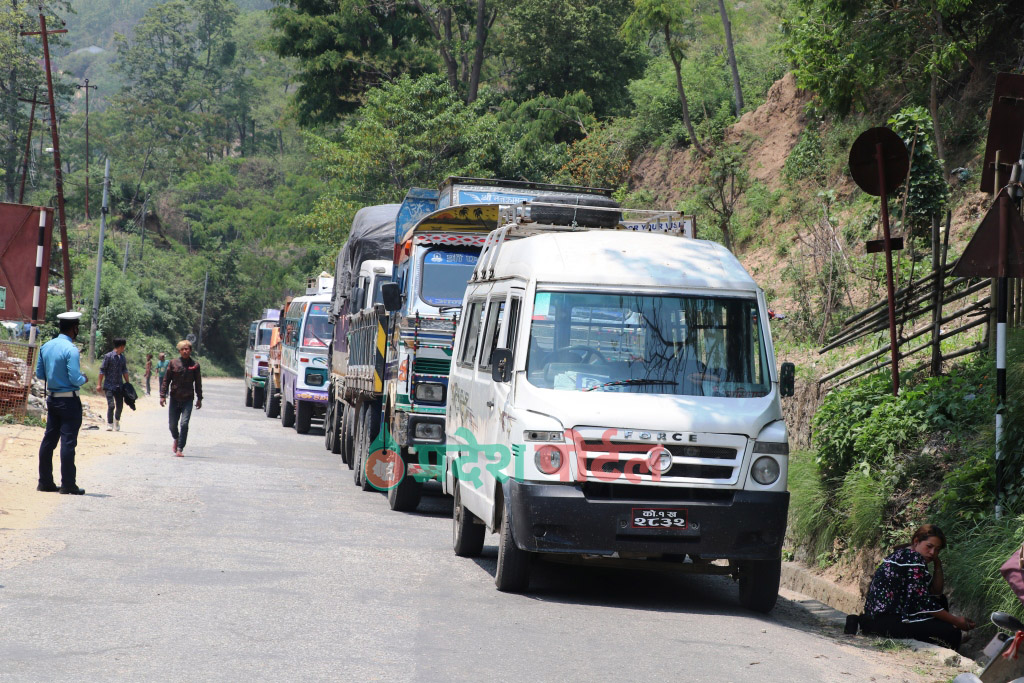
23 510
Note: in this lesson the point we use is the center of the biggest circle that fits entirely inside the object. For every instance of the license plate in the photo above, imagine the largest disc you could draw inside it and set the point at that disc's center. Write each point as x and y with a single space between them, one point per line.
659 518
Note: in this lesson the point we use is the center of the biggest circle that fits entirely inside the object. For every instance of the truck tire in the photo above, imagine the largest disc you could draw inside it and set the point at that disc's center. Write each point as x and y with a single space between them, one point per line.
248 396
303 416
346 435
258 396
357 442
332 422
759 584
371 424
467 531
287 413
513 575
272 406
575 211
405 496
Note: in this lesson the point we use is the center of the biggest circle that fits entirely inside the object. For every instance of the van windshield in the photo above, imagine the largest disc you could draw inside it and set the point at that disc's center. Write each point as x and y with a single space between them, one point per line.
317 330
445 274
263 334
681 345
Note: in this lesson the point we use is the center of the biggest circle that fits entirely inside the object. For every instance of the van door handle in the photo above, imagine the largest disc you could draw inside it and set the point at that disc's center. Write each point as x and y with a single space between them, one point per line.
490 404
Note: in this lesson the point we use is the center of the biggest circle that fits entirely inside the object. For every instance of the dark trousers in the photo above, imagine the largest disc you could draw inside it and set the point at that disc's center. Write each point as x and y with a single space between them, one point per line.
115 404
63 420
148 377
179 412
932 631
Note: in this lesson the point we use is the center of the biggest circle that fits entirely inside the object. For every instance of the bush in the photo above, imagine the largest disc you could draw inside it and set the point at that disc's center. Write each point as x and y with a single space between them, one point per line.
972 561
812 521
928 190
864 496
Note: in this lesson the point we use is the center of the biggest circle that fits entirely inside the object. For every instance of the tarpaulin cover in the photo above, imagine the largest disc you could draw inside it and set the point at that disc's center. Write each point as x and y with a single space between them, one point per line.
19 239
372 237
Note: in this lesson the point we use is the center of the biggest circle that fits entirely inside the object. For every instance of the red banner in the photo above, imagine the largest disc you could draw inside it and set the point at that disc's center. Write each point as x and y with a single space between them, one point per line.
19 242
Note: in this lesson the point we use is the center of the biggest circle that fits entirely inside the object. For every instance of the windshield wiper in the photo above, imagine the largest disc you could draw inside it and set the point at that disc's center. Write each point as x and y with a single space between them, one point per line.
627 382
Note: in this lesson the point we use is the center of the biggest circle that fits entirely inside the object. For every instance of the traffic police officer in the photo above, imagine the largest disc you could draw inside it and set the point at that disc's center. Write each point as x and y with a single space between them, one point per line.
59 365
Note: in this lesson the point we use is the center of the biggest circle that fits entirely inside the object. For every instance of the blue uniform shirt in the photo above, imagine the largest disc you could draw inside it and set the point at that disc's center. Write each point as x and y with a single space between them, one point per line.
59 365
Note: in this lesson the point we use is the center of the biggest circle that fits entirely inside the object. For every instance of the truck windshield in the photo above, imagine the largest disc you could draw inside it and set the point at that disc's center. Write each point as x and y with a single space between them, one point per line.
445 274
317 330
681 345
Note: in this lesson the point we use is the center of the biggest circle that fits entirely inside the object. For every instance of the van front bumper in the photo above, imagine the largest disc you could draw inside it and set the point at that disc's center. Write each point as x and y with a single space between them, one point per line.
561 518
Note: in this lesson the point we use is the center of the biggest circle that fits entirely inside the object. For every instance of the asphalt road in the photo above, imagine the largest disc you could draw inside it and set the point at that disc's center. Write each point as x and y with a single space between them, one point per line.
256 558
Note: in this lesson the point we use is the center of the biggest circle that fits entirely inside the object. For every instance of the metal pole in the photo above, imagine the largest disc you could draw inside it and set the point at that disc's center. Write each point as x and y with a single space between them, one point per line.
937 300
894 346
99 264
1001 295
87 87
28 145
127 244
142 250
57 172
202 313
37 290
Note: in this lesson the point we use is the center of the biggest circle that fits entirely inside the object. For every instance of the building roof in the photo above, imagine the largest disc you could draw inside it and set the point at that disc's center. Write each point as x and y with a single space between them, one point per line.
621 257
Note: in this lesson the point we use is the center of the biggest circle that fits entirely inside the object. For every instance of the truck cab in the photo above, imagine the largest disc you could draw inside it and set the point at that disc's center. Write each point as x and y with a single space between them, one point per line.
614 399
257 350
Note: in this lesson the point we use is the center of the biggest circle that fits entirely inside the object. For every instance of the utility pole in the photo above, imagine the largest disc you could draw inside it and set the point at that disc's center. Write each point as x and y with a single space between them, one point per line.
57 171
28 143
142 250
99 264
202 312
127 244
87 87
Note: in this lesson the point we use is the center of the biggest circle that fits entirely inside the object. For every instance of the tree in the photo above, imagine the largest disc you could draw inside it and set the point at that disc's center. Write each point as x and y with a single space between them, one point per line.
346 47
460 29
731 54
724 182
671 20
557 47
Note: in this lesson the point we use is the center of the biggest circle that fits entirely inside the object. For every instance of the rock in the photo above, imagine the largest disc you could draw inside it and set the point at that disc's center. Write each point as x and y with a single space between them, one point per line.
952 660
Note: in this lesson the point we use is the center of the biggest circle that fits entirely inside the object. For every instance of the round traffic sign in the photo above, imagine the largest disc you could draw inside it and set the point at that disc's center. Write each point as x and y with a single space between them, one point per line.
191 338
864 161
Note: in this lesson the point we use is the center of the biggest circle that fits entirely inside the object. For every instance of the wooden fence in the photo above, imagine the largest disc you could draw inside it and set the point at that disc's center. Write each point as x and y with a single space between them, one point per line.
931 296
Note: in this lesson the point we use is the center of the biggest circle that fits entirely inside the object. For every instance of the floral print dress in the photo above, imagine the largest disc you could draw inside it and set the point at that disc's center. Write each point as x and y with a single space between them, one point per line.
901 588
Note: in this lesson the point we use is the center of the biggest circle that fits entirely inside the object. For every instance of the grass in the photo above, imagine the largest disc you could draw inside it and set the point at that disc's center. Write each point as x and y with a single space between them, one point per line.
864 496
811 519
972 562
890 645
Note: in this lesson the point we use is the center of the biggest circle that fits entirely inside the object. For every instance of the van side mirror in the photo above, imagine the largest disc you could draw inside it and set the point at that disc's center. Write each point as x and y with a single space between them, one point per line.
787 380
392 295
501 365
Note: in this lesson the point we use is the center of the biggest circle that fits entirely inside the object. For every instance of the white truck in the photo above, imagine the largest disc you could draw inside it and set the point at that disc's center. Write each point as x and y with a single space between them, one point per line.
614 399
257 357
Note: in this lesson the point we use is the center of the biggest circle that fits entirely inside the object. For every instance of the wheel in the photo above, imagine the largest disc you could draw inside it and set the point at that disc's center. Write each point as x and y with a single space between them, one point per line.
258 396
405 496
759 584
272 406
513 575
346 435
248 396
332 428
287 413
467 530
355 456
371 423
303 416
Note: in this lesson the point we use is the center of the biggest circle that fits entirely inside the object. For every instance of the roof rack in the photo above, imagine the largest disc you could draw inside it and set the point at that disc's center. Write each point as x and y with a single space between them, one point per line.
515 221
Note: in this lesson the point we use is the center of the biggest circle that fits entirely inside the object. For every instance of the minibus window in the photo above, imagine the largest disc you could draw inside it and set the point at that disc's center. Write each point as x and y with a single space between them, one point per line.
494 316
513 324
264 332
684 345
446 271
469 341
317 330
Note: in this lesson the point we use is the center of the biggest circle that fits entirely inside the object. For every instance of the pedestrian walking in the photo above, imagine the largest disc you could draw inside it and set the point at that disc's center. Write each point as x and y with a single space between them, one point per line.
113 377
149 371
180 384
161 370
59 365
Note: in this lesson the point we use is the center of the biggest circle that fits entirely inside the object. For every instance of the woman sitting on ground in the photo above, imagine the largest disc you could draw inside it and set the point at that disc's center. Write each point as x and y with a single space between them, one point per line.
906 601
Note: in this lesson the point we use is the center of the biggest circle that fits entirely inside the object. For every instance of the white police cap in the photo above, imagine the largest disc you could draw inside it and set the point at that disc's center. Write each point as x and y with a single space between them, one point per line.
70 315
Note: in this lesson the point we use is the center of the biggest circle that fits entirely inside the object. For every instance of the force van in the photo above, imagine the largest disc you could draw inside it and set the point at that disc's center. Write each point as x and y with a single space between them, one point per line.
305 339
614 399
257 357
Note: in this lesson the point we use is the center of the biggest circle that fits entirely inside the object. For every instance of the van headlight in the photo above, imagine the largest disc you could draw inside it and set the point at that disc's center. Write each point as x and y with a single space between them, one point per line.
765 470
430 391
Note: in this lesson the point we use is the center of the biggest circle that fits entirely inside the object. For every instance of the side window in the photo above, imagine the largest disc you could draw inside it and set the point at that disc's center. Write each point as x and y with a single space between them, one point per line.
472 334
513 324
252 336
494 315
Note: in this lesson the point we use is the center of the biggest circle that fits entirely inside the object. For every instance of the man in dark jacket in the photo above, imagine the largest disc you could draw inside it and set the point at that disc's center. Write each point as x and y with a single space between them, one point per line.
182 382
113 377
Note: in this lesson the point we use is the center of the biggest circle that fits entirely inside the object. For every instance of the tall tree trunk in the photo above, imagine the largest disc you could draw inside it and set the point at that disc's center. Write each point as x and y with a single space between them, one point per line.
478 55
677 63
933 101
731 52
